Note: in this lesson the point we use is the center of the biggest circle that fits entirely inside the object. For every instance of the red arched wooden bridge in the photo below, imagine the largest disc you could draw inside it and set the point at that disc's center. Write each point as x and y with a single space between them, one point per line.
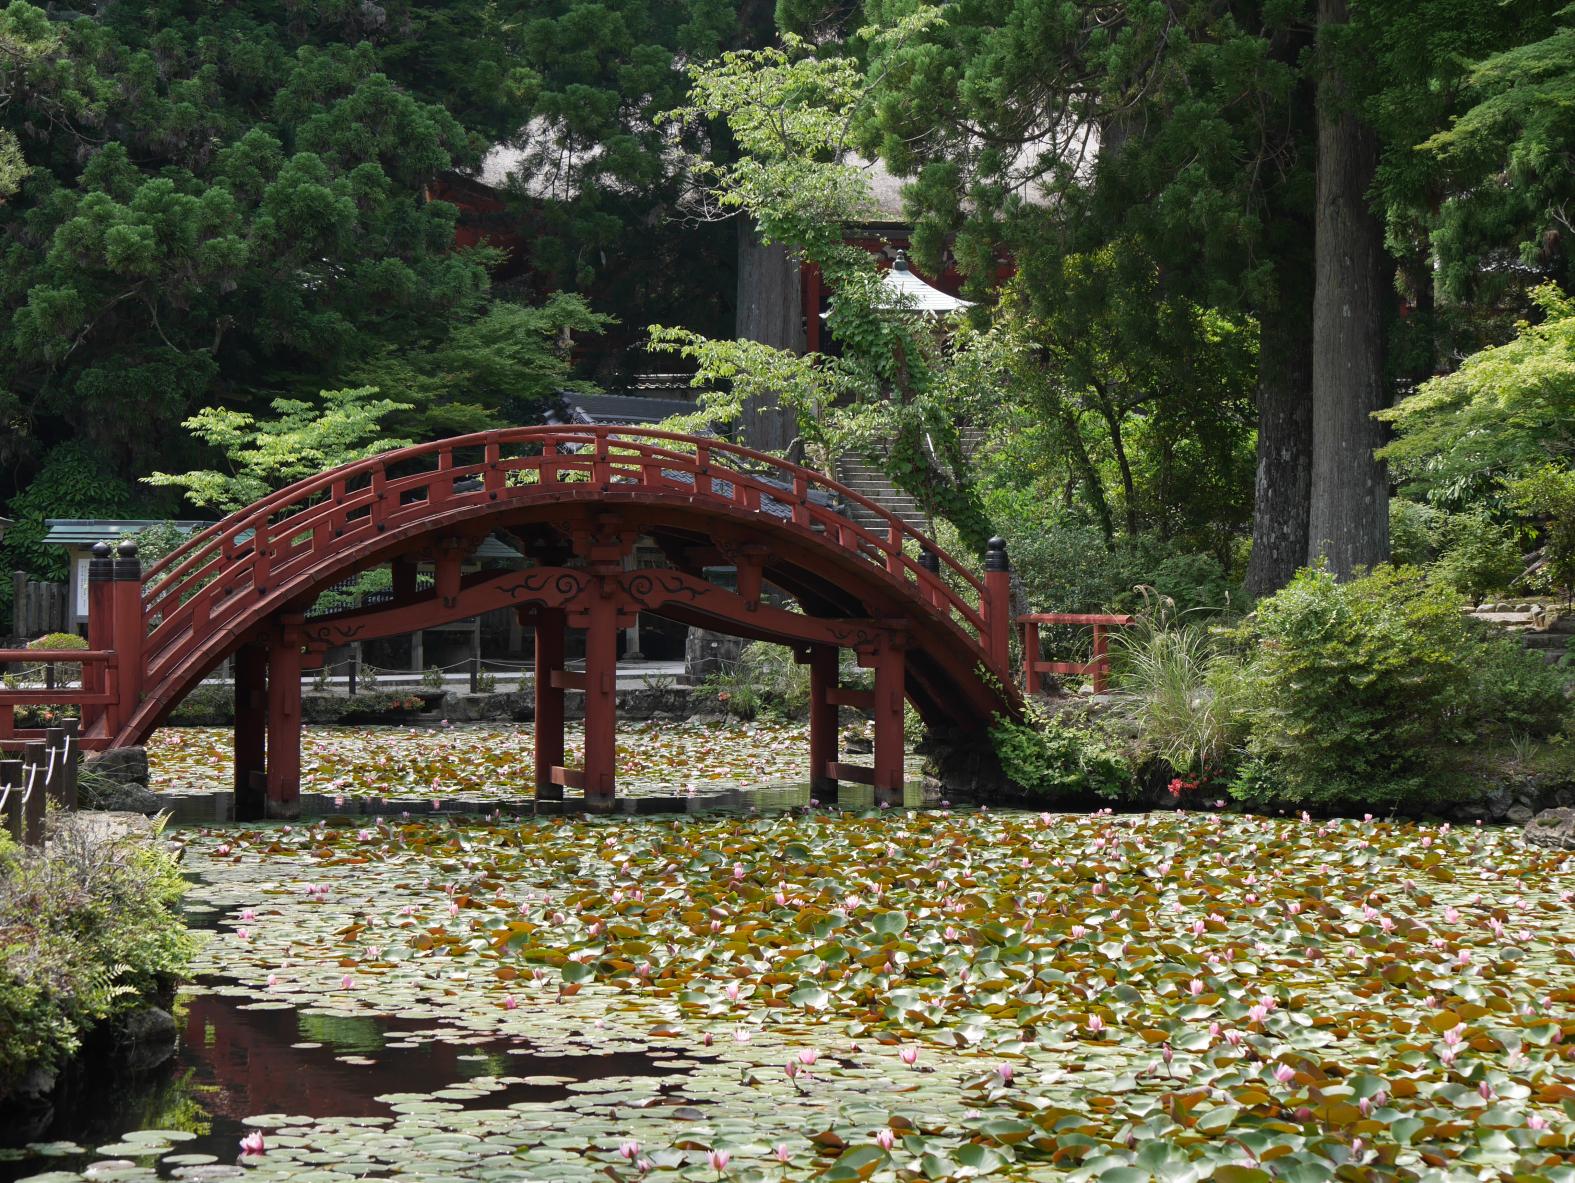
574 500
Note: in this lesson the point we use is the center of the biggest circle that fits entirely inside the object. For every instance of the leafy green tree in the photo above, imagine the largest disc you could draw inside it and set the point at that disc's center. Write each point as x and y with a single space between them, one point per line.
301 440
790 114
1504 414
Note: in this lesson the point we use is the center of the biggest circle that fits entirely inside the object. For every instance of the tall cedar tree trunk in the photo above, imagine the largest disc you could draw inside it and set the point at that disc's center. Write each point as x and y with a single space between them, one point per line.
1282 491
770 310
1349 520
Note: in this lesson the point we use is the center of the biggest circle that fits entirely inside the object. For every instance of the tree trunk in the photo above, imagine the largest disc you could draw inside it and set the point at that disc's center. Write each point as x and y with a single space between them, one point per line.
770 311
1349 519
1283 487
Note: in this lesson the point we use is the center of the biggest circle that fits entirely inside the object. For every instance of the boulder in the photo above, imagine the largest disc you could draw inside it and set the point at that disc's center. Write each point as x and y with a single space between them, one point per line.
120 765
147 1038
1552 828
114 797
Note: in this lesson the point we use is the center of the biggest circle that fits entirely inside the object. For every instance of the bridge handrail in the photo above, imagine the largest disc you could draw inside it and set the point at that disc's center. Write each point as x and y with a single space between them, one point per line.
181 574
319 481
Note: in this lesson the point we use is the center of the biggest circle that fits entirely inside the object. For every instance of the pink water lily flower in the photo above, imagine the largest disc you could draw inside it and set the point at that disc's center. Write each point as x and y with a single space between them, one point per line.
885 1139
909 1056
719 1160
253 1143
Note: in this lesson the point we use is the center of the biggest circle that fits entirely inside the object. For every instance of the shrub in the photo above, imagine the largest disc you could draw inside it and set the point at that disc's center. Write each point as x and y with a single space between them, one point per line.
1549 495
1516 691
1480 556
765 679
1358 692
1070 568
89 930
1416 531
1052 758
68 671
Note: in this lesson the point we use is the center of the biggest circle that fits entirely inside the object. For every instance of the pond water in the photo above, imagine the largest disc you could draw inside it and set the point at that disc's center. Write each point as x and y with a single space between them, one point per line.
842 995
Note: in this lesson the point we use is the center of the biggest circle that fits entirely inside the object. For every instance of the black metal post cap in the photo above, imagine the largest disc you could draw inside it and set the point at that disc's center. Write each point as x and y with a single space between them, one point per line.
995 555
127 548
101 550
929 560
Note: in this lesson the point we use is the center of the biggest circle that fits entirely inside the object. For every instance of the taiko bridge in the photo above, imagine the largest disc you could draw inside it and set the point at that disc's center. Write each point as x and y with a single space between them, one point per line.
574 501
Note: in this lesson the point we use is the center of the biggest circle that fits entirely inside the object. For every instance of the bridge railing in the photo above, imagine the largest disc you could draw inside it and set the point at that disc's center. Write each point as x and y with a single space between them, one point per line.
212 577
1098 667
94 690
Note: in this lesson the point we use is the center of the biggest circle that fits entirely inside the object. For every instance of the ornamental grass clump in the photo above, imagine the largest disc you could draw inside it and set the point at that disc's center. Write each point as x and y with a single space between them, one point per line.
1180 690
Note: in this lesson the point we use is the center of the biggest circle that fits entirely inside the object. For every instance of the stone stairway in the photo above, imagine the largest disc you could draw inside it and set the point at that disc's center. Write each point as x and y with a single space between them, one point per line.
865 477
1539 629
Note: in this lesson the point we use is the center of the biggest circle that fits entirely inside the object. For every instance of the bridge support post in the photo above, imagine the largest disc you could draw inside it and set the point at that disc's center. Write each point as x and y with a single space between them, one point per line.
251 706
601 695
284 722
549 628
890 670
822 661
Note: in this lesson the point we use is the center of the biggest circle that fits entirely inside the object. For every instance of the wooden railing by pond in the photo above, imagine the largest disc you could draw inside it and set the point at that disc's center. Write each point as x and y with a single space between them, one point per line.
40 682
1097 667
44 770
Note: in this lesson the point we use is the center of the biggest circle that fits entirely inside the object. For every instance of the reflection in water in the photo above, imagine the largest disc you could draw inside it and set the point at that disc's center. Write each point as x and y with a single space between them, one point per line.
236 1062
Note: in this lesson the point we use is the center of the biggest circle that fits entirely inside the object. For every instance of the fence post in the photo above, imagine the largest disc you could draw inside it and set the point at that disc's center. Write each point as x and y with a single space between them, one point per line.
34 782
998 591
1031 657
354 666
72 754
475 673
1101 660
11 788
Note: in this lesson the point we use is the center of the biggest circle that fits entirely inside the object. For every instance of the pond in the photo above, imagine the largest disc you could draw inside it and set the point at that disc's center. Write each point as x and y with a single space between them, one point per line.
884 995
492 761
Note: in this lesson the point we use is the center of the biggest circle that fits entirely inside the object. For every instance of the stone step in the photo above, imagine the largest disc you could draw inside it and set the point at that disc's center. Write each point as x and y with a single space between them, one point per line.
1549 640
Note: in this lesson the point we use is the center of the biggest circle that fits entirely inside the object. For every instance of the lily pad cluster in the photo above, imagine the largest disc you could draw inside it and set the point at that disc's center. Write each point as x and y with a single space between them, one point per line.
940 995
494 761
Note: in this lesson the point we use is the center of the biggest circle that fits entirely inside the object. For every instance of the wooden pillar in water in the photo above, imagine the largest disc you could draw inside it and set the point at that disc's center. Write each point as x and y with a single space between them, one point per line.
823 673
284 721
601 695
890 671
251 712
549 628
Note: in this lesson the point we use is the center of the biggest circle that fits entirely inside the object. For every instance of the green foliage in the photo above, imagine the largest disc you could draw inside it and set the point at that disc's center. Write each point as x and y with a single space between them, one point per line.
1067 566
890 390
1416 531
1507 155
58 641
71 484
1505 413
1548 495
1054 759
302 440
89 930
1363 694
1516 691
1480 556
766 680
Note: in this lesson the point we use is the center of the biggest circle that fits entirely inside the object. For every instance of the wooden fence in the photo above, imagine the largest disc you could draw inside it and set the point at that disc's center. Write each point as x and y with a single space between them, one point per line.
37 608
46 770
